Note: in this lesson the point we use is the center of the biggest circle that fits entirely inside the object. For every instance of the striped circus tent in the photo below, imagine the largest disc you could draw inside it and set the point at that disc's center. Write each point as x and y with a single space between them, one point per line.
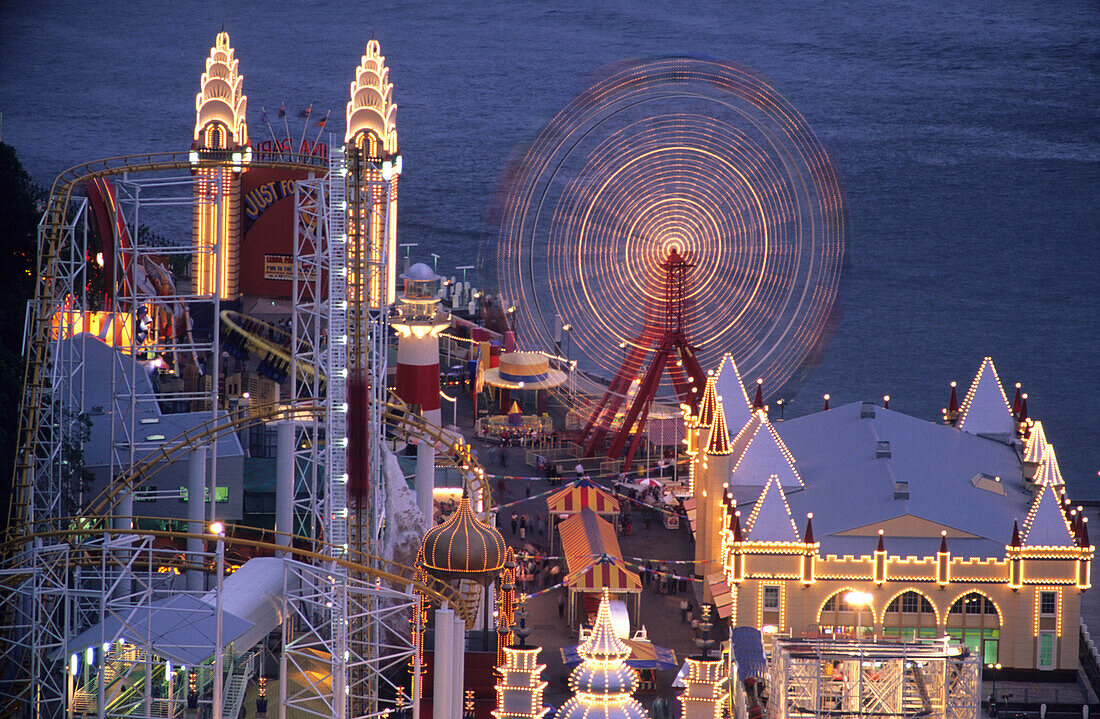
582 494
594 562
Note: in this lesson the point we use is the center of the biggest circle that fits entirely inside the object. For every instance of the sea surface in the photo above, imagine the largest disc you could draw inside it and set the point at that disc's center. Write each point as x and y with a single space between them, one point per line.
966 134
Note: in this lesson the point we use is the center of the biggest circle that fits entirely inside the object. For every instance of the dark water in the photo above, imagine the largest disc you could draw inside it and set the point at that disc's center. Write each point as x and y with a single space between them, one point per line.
967 135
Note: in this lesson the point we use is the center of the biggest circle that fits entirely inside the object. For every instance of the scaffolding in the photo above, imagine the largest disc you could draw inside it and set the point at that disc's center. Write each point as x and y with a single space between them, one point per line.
831 678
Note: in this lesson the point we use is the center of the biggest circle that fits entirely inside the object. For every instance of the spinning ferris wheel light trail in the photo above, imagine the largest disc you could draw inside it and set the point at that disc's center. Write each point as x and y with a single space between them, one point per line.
695 157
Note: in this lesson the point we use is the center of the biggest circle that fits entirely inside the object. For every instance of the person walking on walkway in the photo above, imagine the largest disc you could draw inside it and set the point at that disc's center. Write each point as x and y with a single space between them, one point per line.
684 606
515 518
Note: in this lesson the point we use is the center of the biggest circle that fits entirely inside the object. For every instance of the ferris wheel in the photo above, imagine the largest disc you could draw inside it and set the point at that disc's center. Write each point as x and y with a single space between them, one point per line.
695 159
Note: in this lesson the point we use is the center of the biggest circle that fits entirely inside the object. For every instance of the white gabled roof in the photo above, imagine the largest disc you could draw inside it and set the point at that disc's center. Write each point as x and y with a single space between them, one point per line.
771 519
1046 525
1048 472
732 391
985 409
1036 444
758 453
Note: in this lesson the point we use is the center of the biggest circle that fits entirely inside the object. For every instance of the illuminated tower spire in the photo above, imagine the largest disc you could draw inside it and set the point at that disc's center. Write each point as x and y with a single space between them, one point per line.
603 684
219 153
373 168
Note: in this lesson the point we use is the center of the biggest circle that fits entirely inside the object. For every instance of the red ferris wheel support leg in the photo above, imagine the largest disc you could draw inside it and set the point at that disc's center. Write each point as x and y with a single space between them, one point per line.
642 400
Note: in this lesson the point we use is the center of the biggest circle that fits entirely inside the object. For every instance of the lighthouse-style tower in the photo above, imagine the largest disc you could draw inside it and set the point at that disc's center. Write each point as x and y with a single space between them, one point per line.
418 322
219 154
374 166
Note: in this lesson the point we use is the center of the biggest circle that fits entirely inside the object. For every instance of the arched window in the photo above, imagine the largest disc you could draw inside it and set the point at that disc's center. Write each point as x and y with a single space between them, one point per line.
973 620
838 617
910 615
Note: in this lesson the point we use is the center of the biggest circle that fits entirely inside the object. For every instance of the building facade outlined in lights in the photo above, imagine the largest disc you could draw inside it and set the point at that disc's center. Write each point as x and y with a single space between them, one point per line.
862 520
220 152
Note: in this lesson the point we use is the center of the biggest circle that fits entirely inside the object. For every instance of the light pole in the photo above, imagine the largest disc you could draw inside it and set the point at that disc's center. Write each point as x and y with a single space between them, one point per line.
435 263
566 329
859 600
454 403
218 529
995 670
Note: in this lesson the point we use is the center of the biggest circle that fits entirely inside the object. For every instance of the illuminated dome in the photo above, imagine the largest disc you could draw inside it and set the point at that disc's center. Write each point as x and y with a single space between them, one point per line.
421 273
603 684
463 548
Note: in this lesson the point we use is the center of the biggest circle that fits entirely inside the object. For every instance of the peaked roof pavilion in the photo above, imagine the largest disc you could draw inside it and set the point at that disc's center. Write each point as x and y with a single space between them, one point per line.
853 491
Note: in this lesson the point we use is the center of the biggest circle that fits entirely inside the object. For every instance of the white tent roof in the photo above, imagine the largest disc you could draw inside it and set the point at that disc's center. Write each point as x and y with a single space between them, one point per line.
182 627
985 409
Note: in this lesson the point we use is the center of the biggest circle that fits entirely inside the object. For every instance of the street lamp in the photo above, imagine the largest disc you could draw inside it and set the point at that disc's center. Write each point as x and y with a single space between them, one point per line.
859 600
995 670
566 328
218 529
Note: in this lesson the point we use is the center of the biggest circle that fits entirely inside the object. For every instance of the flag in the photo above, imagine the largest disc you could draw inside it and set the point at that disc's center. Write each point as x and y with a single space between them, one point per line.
263 115
305 112
282 110
320 123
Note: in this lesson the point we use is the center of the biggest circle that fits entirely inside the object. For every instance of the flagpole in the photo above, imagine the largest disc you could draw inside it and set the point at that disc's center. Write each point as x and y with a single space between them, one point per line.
263 112
286 127
322 124
309 111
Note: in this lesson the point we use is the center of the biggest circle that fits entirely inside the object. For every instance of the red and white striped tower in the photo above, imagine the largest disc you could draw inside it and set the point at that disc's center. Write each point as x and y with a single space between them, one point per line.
418 322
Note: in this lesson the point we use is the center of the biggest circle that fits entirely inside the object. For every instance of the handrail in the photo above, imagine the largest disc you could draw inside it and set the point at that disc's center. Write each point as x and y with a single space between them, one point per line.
358 562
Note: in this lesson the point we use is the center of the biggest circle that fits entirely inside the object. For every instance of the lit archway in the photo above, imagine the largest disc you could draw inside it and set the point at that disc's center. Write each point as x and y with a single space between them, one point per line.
975 620
837 617
910 614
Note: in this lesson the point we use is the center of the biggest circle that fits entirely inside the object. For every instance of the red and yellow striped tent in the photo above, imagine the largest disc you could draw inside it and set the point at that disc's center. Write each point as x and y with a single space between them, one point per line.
594 561
582 494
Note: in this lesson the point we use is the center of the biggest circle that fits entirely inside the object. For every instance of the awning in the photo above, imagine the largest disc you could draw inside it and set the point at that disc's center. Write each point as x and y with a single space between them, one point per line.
585 536
748 652
643 655
582 493
604 572
723 597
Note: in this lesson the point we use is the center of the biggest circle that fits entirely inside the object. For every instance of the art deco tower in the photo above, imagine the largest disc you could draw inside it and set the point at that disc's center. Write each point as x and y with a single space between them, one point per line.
373 168
219 153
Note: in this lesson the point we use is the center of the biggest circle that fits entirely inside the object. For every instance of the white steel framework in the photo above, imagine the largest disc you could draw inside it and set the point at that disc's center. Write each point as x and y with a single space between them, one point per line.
827 678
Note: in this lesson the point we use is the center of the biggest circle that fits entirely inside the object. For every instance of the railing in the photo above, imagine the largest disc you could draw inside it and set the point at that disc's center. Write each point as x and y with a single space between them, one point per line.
1090 662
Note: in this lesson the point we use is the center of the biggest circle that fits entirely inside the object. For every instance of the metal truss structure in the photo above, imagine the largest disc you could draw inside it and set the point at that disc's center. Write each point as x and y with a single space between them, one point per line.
827 678
64 568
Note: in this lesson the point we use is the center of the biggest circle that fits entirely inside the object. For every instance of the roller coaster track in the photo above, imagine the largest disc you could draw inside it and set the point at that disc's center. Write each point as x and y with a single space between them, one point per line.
234 322
395 414
35 379
74 529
